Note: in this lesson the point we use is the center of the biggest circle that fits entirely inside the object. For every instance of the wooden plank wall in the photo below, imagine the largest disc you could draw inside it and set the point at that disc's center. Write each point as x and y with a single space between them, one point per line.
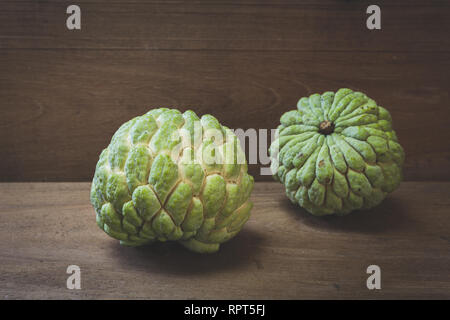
64 93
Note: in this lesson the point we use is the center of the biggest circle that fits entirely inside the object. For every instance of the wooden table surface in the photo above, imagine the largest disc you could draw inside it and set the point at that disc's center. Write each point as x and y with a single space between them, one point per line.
282 252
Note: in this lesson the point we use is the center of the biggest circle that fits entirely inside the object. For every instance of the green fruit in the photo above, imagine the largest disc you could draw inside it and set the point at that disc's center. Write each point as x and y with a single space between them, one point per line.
337 153
169 175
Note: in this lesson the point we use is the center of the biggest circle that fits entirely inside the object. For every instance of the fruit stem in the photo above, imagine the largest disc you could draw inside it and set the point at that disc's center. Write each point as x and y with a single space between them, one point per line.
326 127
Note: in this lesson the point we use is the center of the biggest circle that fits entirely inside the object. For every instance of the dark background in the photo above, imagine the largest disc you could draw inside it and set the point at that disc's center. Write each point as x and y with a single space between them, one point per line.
64 93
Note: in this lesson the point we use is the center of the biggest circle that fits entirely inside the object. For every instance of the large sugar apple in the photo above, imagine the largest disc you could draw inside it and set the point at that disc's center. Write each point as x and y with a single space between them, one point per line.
168 175
337 153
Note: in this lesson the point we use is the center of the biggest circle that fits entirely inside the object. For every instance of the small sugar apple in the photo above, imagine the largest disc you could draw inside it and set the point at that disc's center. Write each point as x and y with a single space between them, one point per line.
168 175
337 153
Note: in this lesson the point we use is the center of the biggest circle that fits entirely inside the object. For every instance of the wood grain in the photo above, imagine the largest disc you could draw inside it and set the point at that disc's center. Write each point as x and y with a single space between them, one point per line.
333 25
64 93
282 252
56 121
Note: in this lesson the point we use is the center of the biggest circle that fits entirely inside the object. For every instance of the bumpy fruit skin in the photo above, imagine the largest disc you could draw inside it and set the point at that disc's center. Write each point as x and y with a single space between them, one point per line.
337 153
172 176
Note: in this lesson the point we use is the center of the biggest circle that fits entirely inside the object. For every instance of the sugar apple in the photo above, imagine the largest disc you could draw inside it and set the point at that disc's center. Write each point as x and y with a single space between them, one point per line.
168 175
337 153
